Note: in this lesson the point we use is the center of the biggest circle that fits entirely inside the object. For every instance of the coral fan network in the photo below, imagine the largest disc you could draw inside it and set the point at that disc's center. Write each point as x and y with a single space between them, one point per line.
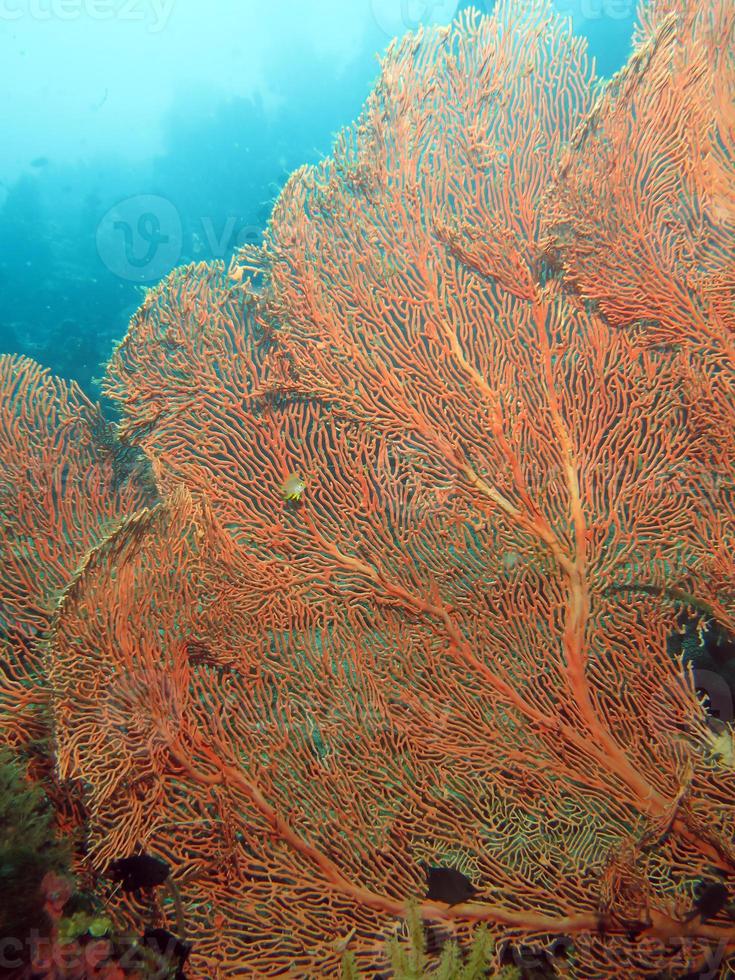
492 337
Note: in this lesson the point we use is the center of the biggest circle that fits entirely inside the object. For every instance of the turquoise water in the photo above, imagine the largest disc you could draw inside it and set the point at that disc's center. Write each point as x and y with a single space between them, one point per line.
194 119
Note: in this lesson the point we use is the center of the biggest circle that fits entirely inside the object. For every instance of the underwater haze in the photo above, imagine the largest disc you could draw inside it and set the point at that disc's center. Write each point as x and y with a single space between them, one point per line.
138 135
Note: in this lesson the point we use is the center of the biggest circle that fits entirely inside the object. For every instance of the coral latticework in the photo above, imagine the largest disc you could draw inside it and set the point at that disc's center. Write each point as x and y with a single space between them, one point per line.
65 483
482 341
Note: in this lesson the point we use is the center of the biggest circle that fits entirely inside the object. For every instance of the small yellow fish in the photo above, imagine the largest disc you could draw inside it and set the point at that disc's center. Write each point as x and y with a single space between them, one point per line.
293 487
719 741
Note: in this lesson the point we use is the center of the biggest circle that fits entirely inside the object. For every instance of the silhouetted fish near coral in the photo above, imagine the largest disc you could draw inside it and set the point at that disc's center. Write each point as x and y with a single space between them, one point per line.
171 948
711 898
447 885
139 871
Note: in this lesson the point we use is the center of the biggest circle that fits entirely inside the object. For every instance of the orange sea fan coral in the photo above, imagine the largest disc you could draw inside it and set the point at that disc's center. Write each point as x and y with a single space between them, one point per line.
642 217
641 214
64 485
453 647
643 207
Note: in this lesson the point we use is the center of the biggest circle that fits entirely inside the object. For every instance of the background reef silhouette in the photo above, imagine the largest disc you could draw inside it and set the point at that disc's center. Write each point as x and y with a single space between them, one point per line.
493 336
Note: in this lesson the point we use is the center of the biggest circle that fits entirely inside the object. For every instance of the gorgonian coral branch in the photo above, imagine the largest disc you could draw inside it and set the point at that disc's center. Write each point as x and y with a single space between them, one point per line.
420 656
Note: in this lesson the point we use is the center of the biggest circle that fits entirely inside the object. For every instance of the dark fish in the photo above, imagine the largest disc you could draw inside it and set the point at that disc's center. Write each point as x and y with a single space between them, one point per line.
39 162
139 871
447 885
170 947
711 898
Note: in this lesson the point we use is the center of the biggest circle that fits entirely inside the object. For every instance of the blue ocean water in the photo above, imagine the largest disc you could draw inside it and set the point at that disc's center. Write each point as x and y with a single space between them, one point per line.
142 135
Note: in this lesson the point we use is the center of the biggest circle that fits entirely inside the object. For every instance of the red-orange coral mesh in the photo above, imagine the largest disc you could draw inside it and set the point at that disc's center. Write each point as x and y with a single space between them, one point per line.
484 338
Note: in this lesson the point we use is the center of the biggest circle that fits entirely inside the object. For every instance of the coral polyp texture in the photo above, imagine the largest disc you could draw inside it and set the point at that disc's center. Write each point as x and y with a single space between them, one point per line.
475 344
65 483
